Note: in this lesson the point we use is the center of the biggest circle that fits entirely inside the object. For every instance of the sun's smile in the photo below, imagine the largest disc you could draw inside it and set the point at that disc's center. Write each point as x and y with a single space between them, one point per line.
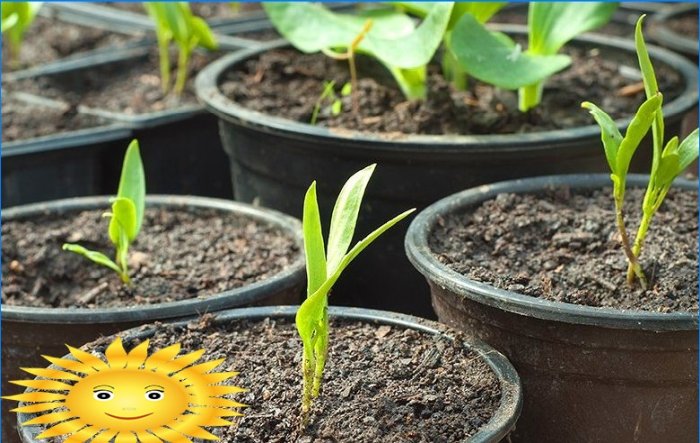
129 418
129 397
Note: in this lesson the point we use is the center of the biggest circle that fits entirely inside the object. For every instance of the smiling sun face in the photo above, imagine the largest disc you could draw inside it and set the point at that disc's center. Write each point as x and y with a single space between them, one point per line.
129 396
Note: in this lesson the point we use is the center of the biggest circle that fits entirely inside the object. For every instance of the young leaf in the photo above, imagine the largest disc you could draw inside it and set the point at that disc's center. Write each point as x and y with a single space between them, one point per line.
344 218
123 218
132 184
313 242
637 129
95 256
489 58
609 133
688 150
203 33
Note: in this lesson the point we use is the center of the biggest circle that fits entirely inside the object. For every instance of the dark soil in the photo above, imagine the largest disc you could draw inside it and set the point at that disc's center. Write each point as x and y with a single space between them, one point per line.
22 121
131 87
264 35
288 84
685 25
382 383
564 246
179 254
49 39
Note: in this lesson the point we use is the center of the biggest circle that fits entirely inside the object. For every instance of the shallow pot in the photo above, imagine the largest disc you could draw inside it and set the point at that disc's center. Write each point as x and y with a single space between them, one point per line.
273 161
589 374
498 427
29 332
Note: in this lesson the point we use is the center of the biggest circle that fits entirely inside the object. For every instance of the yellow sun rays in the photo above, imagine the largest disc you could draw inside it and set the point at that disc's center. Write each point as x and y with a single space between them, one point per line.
88 398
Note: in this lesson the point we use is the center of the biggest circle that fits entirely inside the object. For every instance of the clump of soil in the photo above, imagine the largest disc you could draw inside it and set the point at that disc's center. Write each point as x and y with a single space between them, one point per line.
382 383
564 246
49 39
179 254
22 121
129 87
287 84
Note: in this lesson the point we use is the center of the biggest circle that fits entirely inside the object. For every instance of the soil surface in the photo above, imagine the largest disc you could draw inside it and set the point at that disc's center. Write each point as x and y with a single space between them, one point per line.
382 383
21 121
131 87
685 25
288 84
49 39
564 246
179 254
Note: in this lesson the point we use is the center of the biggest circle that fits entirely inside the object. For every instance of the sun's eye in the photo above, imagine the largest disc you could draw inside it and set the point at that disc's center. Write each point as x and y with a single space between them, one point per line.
154 395
102 395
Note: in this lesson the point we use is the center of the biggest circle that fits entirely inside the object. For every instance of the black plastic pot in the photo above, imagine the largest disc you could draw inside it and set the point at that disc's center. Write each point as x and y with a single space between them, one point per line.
273 161
667 37
495 430
589 374
29 332
61 165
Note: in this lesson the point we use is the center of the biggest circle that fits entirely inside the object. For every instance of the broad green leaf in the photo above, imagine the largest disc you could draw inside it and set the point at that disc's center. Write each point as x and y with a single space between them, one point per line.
204 34
132 184
344 218
552 24
637 129
688 150
95 256
488 58
311 27
123 218
482 11
313 242
609 133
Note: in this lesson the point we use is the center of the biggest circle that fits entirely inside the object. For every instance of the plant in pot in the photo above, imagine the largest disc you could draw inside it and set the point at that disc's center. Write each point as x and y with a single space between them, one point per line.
451 139
605 341
391 376
132 86
192 255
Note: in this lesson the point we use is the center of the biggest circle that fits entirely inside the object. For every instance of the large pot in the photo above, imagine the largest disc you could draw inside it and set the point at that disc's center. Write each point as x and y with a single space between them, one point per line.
29 332
273 160
496 429
589 374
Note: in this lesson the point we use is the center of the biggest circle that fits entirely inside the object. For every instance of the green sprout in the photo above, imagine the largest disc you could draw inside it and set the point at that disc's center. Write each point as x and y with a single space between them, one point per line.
125 218
16 19
175 21
323 267
329 94
667 162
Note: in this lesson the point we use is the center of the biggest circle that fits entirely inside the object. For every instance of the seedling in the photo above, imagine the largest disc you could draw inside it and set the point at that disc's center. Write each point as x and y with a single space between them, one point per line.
175 21
125 218
667 162
323 268
16 19
329 94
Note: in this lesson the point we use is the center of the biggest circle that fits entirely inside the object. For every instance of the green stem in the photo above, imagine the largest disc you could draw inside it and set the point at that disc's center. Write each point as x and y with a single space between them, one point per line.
453 71
639 242
164 55
321 352
633 263
182 62
307 369
529 96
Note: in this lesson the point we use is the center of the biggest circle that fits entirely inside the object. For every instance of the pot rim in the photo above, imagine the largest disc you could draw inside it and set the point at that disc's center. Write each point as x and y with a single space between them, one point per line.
665 35
287 278
503 420
418 252
208 92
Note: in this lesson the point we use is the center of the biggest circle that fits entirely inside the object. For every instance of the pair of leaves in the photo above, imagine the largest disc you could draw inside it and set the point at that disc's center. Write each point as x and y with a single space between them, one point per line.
176 22
126 216
495 59
324 265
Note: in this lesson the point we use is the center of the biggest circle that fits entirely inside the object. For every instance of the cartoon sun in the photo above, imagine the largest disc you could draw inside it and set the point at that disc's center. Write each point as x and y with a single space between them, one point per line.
129 397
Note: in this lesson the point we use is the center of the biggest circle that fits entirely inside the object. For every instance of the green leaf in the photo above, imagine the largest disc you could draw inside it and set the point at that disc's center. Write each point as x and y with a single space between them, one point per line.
204 34
313 242
344 218
95 256
688 150
336 107
311 27
346 90
481 11
123 218
609 133
552 24
9 22
669 166
488 58
637 129
132 184
651 88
